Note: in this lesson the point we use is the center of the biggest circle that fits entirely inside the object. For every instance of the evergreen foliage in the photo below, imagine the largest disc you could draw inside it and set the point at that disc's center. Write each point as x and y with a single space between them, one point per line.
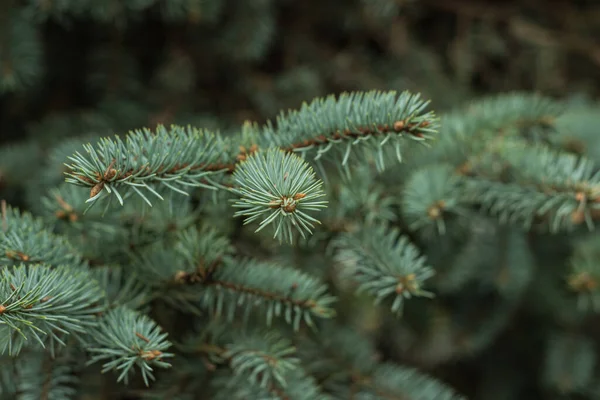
293 200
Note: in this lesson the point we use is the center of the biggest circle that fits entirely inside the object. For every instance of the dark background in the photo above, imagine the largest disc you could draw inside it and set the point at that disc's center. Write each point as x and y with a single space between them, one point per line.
235 60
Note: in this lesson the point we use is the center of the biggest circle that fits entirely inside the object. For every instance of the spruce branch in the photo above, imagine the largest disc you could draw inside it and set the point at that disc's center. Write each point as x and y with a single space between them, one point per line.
41 376
39 247
202 270
467 135
150 224
39 304
187 157
347 365
391 381
122 288
54 169
429 196
105 238
279 189
578 132
559 188
301 386
336 355
126 339
384 264
25 239
369 119
194 256
352 200
521 110
584 274
181 383
516 267
277 290
548 168
202 248
177 158
262 358
514 204
457 267
66 203
516 115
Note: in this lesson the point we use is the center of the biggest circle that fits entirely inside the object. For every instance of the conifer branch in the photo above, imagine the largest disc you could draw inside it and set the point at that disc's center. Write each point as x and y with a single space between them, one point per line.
543 184
301 386
246 283
520 110
347 364
25 239
180 157
514 115
353 200
467 137
336 354
262 358
584 275
185 157
279 291
429 196
126 339
279 189
384 264
79 285
66 203
391 381
39 305
121 288
38 375
479 244
370 119
202 270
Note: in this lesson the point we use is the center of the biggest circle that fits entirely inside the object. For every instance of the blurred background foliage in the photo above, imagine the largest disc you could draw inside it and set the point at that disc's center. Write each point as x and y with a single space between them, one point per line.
69 66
